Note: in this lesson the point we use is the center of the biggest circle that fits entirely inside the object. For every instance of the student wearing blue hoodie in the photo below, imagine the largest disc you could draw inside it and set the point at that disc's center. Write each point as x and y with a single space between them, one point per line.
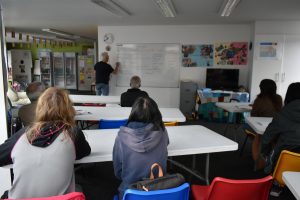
139 144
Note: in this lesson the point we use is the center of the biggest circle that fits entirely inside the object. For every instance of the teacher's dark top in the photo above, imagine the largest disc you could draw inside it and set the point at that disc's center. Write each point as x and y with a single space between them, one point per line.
103 71
129 97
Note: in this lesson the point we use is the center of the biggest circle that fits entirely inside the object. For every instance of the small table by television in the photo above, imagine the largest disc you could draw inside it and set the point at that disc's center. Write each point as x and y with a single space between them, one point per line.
208 98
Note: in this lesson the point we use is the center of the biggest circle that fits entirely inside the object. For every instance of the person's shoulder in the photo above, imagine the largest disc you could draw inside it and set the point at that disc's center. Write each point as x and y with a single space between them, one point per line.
124 94
145 93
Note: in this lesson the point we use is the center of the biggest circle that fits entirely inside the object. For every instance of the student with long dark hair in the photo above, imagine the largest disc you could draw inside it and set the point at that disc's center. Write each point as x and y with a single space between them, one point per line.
44 153
139 144
283 133
267 104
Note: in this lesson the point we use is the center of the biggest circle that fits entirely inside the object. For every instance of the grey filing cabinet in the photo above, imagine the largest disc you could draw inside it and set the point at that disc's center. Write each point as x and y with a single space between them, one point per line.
188 91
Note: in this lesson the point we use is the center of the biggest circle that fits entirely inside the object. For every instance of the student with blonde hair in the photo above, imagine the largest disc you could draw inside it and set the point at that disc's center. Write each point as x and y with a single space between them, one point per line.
44 153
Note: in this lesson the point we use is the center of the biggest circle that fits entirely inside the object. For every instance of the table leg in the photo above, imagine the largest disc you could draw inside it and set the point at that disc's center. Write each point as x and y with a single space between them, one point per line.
193 170
207 169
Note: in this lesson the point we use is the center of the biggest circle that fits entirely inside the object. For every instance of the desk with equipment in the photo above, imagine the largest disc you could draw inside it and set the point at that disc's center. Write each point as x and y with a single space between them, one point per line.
85 113
208 110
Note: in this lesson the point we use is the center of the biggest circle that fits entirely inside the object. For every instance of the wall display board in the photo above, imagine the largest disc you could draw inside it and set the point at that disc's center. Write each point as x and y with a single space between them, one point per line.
197 55
158 65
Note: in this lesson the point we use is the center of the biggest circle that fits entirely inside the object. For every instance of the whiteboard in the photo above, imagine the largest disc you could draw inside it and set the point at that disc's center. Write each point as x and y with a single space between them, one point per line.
157 65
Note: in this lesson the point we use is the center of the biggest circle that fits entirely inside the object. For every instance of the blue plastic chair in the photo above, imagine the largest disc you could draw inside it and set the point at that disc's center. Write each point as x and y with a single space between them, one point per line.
111 124
178 193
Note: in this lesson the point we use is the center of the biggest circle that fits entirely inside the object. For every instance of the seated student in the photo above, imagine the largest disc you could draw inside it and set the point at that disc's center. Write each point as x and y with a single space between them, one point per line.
27 112
139 144
266 104
44 153
128 98
283 133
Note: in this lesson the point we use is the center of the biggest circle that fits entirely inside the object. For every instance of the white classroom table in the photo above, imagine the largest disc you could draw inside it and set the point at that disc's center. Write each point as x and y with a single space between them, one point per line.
184 140
235 107
95 99
292 181
117 113
258 124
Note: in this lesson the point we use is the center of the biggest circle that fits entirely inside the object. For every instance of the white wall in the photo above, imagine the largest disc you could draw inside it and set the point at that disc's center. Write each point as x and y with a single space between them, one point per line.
280 32
182 34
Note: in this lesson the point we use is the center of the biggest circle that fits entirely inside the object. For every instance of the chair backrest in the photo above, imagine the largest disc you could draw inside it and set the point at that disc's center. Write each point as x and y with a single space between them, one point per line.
70 196
111 124
287 161
170 123
227 189
178 193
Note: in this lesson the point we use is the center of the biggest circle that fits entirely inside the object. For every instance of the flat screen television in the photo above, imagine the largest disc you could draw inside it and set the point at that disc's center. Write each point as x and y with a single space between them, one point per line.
222 79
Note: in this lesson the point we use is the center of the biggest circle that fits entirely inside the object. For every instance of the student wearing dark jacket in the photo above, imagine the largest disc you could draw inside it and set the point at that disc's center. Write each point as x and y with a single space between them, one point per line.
283 133
139 144
44 153
129 97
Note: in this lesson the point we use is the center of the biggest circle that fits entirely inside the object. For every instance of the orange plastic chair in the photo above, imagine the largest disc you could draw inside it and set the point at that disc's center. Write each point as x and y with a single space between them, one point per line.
287 161
70 196
170 123
227 189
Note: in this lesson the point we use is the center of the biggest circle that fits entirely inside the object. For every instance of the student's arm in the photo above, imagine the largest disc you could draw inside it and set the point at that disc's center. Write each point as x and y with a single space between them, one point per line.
7 147
117 159
82 147
271 133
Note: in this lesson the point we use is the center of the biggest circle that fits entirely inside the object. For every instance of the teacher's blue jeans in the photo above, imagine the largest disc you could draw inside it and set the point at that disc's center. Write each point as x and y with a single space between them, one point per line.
102 89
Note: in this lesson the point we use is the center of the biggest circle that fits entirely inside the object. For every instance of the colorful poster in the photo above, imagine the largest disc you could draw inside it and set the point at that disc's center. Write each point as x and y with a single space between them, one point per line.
197 55
231 53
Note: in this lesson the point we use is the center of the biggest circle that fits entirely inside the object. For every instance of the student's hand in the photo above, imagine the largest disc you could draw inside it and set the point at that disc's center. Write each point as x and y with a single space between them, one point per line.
118 64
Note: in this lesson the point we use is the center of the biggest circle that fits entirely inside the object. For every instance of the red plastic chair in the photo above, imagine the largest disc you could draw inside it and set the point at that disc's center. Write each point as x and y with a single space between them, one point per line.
227 189
70 196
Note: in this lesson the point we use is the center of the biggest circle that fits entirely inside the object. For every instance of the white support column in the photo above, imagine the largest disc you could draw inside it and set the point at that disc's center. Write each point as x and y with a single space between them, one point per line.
4 173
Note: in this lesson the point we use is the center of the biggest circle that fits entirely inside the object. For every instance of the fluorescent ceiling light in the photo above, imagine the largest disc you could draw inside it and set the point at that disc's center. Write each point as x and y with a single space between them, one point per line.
57 32
112 7
64 35
166 7
227 7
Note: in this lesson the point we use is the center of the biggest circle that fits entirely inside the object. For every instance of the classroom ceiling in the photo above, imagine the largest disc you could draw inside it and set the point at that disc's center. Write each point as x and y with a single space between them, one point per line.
81 17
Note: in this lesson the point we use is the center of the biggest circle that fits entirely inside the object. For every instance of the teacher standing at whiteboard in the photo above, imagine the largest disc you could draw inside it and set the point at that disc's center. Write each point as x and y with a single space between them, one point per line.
103 71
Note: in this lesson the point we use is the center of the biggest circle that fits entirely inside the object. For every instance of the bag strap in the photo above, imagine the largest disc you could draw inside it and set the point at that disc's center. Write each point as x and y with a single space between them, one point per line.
160 171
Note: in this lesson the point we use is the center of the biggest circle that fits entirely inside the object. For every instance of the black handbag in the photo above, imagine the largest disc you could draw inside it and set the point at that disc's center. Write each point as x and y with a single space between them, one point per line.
160 183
